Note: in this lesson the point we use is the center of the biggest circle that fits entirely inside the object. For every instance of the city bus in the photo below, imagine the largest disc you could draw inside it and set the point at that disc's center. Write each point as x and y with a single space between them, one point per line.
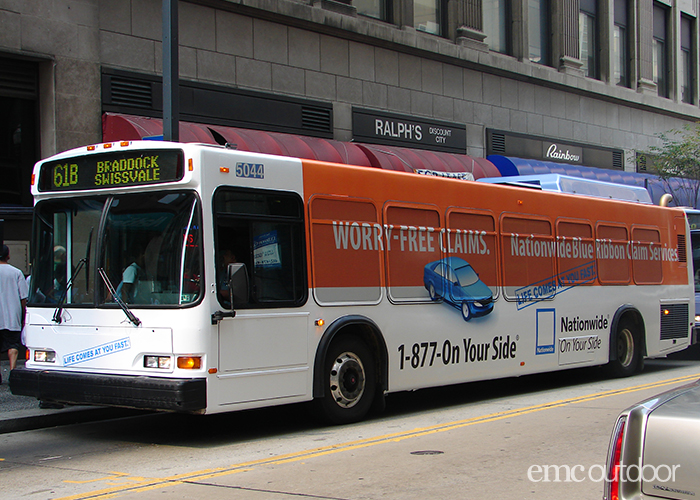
202 279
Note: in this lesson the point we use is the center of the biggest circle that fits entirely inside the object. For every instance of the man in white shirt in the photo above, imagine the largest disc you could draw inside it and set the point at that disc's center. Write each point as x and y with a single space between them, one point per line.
13 304
128 289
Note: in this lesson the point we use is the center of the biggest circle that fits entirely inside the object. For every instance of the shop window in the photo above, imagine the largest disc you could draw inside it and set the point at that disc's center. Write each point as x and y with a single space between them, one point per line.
660 50
378 9
496 25
686 68
538 31
427 16
18 130
620 46
588 37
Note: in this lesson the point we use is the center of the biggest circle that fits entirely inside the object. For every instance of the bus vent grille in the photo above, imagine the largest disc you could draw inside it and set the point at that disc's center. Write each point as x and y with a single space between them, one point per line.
617 160
498 143
318 119
674 321
682 255
131 93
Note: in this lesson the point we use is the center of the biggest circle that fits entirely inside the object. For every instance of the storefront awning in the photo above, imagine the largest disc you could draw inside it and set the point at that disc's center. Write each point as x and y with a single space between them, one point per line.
117 127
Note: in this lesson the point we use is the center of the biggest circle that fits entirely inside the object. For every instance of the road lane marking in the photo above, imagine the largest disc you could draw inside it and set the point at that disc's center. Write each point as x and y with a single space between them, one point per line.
193 477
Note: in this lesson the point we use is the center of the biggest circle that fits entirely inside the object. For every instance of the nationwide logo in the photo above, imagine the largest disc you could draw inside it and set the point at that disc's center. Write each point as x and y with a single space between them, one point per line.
576 324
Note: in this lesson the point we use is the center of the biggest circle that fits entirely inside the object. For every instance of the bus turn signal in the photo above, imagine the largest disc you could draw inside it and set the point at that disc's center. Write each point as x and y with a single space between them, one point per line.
189 362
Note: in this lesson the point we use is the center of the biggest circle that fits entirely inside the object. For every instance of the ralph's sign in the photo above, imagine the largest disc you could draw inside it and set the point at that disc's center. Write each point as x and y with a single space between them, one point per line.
397 130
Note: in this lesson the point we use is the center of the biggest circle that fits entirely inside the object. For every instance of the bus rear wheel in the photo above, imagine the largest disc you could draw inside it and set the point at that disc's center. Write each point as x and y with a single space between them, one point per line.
628 351
349 381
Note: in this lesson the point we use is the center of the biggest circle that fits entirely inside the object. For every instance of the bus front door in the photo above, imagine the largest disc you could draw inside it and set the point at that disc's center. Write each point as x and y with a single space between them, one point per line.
263 355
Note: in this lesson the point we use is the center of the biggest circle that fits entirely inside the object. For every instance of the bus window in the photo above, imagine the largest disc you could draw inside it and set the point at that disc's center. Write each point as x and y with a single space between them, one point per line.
528 258
611 254
645 251
472 237
347 244
413 242
264 231
575 253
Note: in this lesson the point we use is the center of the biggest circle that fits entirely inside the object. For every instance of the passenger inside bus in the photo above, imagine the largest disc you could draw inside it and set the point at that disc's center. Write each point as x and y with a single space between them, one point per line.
129 289
59 273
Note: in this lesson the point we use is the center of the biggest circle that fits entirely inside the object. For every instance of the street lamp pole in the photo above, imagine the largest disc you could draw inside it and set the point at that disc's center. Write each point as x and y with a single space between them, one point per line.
171 67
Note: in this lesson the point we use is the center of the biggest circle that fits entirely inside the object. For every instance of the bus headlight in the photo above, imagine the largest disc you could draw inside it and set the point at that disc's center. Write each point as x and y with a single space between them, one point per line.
41 356
160 362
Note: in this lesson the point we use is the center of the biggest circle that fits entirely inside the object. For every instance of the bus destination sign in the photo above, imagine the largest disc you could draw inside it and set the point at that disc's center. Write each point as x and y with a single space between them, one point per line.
114 169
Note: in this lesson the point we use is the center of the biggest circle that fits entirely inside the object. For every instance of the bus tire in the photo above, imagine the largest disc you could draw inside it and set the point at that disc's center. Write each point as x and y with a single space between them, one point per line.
628 350
349 381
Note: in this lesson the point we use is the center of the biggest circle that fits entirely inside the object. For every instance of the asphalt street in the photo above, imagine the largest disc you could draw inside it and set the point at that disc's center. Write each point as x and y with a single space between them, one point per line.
20 413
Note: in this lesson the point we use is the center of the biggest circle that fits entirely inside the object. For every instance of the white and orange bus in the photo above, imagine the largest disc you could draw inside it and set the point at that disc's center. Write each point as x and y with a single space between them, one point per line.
201 279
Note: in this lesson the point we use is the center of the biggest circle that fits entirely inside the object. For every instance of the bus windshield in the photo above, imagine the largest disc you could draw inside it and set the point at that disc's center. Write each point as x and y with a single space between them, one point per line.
149 245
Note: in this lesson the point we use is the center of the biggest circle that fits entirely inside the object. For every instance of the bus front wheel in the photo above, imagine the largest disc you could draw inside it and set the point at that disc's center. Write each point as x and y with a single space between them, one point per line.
349 381
628 350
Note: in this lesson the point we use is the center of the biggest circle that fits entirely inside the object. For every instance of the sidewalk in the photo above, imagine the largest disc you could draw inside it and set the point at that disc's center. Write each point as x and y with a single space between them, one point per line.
21 413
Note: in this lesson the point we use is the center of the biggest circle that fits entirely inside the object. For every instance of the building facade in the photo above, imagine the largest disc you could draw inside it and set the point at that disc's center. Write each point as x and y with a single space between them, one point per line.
595 80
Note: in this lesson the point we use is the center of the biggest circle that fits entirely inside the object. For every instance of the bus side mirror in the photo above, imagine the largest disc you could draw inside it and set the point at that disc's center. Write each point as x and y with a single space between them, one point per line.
238 283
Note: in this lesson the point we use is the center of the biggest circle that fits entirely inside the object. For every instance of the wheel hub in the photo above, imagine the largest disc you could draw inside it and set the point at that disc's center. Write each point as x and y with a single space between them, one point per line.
347 380
625 347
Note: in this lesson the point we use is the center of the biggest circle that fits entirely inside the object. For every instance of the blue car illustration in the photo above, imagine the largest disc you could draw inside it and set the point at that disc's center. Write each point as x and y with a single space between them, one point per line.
456 282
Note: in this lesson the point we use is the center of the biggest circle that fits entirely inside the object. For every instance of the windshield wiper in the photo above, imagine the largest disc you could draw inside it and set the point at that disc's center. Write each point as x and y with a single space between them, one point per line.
117 298
85 261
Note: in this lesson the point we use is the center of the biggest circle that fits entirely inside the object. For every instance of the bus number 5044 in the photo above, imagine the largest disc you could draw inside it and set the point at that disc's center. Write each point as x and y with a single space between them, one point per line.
250 170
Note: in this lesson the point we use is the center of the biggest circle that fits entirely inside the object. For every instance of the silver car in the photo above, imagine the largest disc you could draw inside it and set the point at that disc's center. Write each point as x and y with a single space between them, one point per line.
655 448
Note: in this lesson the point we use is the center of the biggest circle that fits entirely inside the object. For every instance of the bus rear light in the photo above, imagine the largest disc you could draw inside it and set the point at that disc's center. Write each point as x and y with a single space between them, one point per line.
189 362
44 356
160 362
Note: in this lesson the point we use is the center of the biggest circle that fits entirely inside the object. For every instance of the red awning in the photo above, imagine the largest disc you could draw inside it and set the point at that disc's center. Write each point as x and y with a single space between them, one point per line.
117 127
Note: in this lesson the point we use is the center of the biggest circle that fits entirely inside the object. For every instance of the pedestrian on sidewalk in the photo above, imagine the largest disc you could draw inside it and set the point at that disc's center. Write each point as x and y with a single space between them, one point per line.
13 305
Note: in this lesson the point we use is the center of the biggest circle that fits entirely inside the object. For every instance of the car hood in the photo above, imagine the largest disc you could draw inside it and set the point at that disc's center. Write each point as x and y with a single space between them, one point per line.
672 444
476 291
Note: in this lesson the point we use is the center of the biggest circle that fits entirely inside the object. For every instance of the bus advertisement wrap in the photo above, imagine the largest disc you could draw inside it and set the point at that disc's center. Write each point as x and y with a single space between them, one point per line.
265 280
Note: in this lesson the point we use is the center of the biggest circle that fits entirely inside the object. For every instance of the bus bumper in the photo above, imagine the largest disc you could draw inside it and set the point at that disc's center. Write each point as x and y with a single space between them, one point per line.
128 391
